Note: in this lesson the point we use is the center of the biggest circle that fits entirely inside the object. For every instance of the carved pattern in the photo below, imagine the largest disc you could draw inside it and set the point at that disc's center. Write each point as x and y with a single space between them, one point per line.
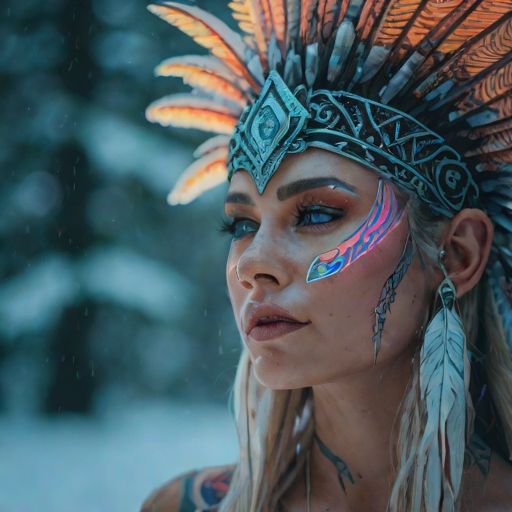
393 144
267 131
377 136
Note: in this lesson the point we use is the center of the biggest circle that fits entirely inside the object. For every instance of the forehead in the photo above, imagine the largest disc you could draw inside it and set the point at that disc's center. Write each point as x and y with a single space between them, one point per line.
313 163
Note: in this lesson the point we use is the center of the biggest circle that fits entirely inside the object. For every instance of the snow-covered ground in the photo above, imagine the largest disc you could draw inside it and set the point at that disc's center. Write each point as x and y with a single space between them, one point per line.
111 463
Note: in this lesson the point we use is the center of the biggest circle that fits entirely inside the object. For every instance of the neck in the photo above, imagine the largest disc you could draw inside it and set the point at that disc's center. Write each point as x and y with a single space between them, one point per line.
356 418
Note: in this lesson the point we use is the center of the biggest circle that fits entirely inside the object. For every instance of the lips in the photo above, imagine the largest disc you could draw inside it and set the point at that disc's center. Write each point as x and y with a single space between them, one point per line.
268 321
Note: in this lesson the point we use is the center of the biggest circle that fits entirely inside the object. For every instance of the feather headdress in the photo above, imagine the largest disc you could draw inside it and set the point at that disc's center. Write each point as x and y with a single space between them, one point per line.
446 63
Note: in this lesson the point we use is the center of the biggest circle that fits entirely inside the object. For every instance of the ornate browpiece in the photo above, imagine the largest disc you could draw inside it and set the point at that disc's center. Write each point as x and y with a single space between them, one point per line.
267 130
375 135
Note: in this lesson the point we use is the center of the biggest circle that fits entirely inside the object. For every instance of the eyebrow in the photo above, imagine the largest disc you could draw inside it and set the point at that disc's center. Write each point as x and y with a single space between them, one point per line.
296 187
286 191
239 198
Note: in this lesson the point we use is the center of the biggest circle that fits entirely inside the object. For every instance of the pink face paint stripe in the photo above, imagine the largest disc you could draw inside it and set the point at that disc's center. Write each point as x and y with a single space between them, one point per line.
377 224
383 218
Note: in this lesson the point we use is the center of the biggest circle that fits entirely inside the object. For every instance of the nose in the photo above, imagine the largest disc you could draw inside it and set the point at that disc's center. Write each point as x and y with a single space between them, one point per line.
264 262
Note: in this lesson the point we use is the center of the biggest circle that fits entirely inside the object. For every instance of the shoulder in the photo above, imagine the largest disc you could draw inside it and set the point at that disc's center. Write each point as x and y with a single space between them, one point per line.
191 492
493 492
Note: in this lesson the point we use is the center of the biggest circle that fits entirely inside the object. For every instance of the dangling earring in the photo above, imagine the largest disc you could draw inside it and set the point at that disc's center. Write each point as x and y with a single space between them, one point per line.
444 381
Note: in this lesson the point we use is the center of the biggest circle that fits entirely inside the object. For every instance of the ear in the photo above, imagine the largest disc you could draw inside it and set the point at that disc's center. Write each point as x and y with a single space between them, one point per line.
467 242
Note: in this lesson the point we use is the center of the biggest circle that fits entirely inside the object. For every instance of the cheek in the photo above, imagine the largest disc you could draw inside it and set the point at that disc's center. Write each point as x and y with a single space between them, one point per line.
343 306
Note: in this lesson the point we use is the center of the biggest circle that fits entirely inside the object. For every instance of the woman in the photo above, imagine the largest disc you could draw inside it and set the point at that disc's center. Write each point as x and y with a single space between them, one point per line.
367 146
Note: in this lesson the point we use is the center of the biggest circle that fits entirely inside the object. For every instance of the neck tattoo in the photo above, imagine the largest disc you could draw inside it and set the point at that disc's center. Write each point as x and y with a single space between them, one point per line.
341 467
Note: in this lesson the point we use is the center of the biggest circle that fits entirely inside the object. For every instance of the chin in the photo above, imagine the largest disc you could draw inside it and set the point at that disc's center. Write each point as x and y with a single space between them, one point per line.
275 374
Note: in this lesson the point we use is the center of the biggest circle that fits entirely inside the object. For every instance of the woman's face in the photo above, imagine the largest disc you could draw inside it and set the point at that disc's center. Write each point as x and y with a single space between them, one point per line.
302 334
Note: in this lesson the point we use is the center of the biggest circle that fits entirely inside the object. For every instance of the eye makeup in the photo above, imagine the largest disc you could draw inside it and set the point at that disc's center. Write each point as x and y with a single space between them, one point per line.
238 227
318 210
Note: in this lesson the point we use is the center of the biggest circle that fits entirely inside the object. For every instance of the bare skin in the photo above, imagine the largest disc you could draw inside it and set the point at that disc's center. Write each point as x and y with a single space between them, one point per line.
355 401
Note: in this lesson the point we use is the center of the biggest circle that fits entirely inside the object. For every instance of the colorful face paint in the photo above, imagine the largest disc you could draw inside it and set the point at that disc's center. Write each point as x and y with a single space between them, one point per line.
384 215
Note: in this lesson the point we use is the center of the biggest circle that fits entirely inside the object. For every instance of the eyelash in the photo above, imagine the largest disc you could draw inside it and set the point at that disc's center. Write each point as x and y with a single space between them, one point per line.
229 225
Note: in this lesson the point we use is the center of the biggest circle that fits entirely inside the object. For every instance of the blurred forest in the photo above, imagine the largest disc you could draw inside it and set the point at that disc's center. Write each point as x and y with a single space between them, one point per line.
117 342
105 290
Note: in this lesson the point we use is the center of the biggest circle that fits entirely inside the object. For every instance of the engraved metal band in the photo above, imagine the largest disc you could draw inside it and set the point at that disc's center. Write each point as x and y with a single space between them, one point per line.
380 137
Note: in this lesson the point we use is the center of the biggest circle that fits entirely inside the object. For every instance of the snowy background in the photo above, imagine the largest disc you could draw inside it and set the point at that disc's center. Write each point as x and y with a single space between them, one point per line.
117 342
110 463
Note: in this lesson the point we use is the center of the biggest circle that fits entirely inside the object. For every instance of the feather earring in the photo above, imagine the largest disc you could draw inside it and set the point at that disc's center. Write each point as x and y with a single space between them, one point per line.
444 382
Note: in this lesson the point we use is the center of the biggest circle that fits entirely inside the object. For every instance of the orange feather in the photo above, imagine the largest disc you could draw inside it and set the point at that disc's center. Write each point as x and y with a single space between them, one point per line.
188 111
205 73
369 16
486 51
498 158
484 131
254 21
482 17
432 16
500 108
468 62
395 20
492 86
496 142
328 15
472 28
308 21
202 175
279 22
211 145
209 32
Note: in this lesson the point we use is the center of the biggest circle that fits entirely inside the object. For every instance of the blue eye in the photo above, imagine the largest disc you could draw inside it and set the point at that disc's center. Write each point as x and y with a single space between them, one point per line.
317 215
238 228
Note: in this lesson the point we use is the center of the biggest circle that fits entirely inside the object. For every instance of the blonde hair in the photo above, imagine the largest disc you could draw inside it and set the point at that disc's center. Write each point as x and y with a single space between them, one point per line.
275 428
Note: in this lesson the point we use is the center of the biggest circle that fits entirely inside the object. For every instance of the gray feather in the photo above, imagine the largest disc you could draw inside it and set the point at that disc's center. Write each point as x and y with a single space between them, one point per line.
502 220
293 22
402 78
274 53
375 60
345 36
311 70
293 68
254 66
